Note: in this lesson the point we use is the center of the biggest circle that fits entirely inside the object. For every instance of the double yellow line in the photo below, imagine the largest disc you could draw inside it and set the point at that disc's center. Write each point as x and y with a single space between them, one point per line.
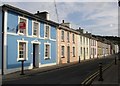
89 80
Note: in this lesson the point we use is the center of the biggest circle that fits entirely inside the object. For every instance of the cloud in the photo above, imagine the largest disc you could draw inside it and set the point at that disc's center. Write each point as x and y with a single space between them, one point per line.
59 0
95 17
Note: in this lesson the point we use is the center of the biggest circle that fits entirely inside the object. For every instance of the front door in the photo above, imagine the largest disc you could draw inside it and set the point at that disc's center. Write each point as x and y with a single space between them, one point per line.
68 54
35 55
84 53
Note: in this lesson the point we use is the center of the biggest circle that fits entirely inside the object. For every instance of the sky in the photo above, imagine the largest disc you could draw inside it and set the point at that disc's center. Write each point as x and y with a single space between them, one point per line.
99 17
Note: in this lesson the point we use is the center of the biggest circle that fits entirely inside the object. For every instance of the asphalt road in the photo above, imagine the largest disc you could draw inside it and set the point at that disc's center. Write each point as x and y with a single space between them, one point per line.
70 75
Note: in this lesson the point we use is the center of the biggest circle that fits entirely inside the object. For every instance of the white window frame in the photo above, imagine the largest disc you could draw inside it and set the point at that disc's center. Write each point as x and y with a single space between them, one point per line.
26 25
61 50
73 38
87 50
45 31
95 42
95 51
62 35
26 58
81 50
86 41
74 51
47 58
68 36
38 34
81 39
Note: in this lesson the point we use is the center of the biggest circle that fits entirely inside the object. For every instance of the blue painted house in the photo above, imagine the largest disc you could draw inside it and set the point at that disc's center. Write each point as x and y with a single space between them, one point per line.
26 36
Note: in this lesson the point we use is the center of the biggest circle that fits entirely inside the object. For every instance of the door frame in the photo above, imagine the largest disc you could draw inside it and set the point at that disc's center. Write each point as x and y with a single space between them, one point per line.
84 53
37 44
68 54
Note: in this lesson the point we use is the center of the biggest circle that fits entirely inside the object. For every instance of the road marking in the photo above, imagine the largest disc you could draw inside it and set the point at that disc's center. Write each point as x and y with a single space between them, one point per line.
89 79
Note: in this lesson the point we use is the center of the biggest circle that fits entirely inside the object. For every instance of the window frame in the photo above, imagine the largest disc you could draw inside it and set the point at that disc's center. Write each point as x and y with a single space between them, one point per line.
26 33
38 34
45 25
87 51
68 36
25 58
62 35
63 56
47 58
73 51
81 50
86 41
73 38
81 39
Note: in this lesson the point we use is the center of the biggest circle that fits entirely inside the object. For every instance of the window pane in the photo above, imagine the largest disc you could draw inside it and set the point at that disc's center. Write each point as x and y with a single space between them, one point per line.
68 36
62 50
22 50
47 31
35 28
20 29
73 51
73 38
47 51
62 35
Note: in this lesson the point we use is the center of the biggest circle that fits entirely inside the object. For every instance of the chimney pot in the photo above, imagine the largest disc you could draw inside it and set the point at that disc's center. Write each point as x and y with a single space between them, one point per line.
38 12
62 21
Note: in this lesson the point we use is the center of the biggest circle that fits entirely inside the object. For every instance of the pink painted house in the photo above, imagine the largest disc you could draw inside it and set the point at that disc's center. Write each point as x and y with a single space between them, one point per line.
67 47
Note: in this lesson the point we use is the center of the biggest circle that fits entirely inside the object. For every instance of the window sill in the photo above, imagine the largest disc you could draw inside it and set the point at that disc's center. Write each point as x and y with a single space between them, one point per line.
21 34
47 37
73 42
62 41
35 36
63 57
21 59
47 58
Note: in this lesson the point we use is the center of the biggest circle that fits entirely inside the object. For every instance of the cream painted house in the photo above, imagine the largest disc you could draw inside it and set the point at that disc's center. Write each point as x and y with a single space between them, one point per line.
93 47
83 45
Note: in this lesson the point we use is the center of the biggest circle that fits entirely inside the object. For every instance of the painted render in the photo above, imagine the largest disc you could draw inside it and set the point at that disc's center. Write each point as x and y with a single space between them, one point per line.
93 48
12 37
66 58
85 46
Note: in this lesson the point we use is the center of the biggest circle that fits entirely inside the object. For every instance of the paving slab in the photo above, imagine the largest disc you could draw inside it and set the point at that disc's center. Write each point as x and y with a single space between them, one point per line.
110 76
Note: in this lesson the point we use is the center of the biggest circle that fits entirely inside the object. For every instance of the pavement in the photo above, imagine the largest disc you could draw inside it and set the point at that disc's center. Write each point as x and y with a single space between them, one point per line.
30 72
0 80
111 76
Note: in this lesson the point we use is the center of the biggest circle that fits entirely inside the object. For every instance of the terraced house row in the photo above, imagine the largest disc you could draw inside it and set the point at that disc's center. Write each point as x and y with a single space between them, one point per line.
41 42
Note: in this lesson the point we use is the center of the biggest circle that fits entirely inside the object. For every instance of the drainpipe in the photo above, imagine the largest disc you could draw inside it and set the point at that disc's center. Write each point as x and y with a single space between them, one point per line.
2 41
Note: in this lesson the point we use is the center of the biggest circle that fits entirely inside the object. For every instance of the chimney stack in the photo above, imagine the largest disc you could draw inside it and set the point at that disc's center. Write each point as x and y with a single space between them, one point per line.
80 30
66 24
43 15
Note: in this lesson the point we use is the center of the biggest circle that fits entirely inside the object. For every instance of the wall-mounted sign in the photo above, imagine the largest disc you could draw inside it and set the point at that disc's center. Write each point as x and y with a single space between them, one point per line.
22 25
